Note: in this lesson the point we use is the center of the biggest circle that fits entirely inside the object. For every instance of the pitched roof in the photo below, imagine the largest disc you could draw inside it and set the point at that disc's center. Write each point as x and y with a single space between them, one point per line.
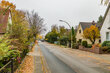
4 14
85 25
106 12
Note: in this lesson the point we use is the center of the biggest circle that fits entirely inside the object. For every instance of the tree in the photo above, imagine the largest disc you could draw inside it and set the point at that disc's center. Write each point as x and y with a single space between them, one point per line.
7 5
63 40
100 19
91 33
63 37
35 23
73 35
53 35
62 30
105 2
18 30
54 28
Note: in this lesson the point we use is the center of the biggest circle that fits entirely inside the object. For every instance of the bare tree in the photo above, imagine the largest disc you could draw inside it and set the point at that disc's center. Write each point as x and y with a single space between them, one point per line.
35 23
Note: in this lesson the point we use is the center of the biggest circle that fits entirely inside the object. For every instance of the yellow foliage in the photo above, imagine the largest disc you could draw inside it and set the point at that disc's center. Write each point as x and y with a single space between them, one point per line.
39 37
91 33
96 45
7 4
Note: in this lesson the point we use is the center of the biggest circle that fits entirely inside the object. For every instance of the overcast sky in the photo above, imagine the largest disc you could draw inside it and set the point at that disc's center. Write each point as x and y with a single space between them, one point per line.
72 11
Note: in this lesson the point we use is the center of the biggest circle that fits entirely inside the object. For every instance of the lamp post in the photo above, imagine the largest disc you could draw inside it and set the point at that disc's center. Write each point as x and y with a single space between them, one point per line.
70 28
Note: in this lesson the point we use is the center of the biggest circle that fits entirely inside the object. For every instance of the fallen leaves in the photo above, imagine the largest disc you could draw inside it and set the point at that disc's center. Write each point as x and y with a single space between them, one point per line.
27 66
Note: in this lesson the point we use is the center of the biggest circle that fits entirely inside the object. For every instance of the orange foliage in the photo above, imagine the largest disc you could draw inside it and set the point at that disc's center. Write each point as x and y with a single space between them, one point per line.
7 4
96 45
91 33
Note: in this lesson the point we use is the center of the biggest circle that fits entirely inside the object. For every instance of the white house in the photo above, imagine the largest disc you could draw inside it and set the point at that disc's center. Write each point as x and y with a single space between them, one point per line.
105 30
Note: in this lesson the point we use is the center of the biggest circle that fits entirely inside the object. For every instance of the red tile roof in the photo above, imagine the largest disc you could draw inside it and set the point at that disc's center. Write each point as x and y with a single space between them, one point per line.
4 14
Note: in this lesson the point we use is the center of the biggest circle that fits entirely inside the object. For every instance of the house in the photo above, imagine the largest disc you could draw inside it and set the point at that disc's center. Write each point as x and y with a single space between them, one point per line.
105 30
82 26
5 20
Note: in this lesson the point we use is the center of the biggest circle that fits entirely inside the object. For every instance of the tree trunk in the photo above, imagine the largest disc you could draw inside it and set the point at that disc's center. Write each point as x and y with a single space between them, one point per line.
93 43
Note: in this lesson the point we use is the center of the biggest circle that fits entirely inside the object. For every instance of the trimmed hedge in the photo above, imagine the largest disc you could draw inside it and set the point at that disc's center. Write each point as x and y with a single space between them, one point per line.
106 46
106 43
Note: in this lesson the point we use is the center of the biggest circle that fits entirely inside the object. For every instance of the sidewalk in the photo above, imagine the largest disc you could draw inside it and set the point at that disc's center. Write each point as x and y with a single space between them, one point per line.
37 61
40 65
34 62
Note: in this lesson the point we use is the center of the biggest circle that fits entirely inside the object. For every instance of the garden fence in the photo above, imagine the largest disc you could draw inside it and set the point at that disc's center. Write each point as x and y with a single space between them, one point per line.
7 68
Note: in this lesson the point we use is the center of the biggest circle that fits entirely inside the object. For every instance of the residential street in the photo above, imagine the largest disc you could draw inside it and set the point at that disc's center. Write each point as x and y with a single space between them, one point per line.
66 60
55 64
55 36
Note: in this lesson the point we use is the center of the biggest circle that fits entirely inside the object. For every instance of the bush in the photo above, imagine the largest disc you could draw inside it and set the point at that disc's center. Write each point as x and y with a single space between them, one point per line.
89 45
79 42
105 43
76 45
84 43
106 49
63 40
108 44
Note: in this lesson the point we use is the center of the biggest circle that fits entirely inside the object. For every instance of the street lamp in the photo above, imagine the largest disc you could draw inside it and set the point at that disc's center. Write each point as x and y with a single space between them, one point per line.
70 28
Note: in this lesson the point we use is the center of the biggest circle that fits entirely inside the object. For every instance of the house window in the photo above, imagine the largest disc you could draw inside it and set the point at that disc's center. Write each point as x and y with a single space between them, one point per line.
107 36
79 31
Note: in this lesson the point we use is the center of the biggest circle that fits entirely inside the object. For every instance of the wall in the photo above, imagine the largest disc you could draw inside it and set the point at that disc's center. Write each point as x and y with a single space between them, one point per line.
96 50
105 26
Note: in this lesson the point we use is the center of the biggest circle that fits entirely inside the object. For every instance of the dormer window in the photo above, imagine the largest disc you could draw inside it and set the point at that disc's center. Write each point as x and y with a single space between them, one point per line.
79 31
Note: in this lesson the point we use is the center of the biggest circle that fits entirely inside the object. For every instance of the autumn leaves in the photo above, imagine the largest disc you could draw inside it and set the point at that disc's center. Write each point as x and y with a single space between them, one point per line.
7 4
91 33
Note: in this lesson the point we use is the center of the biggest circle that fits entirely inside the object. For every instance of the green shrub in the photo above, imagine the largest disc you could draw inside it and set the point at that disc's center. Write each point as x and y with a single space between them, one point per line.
105 43
108 44
84 43
6 50
63 40
76 45
89 45
106 49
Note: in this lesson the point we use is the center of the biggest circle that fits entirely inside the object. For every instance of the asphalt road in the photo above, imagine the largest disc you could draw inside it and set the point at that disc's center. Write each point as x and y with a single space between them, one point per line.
64 62
54 63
